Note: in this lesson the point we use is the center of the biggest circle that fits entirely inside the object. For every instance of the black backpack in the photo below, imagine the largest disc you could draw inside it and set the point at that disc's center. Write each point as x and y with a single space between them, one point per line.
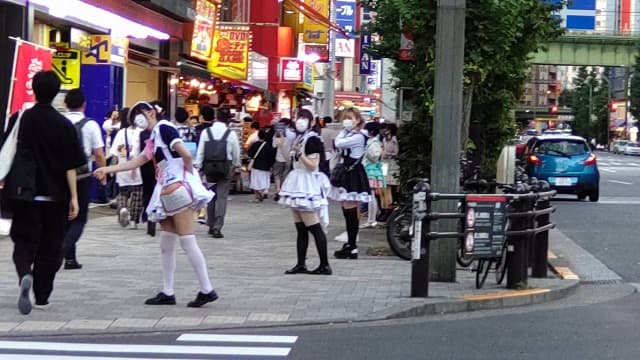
216 165
82 171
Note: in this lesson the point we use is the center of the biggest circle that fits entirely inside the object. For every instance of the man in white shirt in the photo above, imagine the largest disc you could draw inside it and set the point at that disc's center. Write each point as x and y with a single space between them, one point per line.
124 147
217 208
93 145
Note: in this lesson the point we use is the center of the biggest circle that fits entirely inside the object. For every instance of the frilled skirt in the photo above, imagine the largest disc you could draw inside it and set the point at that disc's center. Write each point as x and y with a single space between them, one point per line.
201 197
304 190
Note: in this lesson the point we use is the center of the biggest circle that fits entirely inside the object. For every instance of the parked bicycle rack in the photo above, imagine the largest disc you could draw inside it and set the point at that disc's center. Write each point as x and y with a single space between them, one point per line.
483 231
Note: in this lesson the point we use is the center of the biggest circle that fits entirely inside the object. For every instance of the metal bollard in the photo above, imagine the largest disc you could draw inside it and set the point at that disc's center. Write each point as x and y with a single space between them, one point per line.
517 249
541 242
420 244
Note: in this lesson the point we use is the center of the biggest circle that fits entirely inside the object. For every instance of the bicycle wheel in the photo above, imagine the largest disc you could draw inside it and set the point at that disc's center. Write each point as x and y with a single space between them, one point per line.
482 271
501 265
462 260
398 225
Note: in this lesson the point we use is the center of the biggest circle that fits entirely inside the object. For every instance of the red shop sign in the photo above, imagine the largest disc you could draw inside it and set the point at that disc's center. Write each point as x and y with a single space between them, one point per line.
29 59
292 70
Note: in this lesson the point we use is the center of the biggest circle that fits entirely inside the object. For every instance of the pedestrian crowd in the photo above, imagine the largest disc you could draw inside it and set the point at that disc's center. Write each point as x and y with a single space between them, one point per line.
172 173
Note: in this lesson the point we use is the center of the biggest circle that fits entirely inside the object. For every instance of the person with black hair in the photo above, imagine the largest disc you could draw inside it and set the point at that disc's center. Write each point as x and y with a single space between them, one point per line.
207 115
39 222
373 167
126 146
91 141
253 135
174 166
262 155
304 191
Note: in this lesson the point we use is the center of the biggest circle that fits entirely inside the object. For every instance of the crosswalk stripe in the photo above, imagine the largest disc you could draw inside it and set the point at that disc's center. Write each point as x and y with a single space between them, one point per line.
238 338
65 357
145 349
608 170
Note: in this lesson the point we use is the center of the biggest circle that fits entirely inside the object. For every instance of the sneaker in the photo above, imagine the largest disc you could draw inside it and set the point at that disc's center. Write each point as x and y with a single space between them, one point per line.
72 265
24 302
202 299
161 299
123 217
202 220
346 252
368 225
216 234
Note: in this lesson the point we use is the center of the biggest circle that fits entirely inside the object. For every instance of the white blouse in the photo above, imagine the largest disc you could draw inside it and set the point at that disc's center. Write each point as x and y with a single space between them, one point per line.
352 140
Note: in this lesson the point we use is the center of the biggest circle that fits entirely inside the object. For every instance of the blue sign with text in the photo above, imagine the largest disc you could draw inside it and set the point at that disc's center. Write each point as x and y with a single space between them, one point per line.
346 17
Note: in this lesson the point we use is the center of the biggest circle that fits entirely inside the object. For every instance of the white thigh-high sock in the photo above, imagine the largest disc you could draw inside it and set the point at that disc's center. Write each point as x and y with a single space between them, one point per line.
167 246
373 209
190 246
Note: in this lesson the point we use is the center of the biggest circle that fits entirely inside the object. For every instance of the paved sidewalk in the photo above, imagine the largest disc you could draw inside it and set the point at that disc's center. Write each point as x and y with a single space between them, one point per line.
122 268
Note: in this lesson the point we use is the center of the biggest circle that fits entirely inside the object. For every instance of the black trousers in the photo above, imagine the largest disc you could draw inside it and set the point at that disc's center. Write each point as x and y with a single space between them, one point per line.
37 232
76 226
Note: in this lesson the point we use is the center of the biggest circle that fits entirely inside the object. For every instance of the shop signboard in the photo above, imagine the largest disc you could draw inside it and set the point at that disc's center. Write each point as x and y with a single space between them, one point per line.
98 50
231 52
119 50
66 64
203 29
258 70
292 70
321 50
29 59
345 48
346 17
365 58
307 77
315 32
485 228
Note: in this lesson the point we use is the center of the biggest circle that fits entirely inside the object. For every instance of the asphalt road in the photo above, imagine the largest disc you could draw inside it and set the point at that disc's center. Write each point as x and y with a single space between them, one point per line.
608 229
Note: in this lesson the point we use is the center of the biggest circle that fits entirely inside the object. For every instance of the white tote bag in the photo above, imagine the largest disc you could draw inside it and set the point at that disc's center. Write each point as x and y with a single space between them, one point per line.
8 151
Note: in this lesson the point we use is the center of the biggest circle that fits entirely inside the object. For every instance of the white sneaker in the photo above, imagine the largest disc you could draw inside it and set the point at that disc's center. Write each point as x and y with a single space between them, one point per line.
132 226
123 217
344 237
368 225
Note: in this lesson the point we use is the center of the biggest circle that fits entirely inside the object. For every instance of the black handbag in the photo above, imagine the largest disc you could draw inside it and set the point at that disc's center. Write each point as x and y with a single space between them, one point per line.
20 183
341 172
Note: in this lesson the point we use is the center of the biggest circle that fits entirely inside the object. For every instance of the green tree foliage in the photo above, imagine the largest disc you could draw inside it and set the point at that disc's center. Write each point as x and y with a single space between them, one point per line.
634 87
589 80
500 36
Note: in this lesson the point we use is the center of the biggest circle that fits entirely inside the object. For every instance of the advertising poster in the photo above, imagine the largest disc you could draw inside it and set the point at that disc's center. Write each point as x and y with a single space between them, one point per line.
313 31
29 60
292 70
231 52
485 226
203 29
346 17
99 50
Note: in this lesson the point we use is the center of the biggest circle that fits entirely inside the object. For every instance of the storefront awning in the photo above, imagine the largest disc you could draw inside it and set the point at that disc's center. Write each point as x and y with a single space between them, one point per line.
312 14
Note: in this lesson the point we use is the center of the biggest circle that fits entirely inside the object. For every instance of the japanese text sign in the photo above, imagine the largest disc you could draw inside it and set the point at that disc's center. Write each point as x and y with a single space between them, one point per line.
346 17
292 70
315 32
203 29
30 59
231 52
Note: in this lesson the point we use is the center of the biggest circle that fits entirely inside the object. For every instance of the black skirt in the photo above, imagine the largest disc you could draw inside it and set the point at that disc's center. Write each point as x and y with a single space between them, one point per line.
356 180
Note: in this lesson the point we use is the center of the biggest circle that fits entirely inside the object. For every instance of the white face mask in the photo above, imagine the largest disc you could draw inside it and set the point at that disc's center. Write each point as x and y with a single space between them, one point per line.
348 124
141 121
302 125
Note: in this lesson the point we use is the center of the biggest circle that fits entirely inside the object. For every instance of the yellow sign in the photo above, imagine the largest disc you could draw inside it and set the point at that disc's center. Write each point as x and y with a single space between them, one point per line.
231 52
98 51
66 64
315 32
203 28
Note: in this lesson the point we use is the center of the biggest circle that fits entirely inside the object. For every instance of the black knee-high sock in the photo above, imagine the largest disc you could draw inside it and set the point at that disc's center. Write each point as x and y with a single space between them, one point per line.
302 243
321 242
351 218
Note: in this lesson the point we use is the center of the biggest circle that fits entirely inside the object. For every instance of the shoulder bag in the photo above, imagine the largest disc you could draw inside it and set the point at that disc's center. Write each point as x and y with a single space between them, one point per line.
250 166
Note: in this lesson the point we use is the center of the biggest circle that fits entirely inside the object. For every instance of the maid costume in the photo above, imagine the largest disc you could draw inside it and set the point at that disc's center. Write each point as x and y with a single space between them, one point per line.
304 189
352 145
170 169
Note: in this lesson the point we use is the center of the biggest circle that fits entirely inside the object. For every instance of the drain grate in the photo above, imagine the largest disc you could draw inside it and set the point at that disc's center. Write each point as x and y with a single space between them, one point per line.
601 282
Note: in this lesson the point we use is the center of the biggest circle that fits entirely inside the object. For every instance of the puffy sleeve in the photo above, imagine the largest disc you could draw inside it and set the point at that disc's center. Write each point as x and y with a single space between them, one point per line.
169 135
313 147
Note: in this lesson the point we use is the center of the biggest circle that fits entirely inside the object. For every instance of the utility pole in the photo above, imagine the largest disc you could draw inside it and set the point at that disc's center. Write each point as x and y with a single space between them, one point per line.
329 88
445 167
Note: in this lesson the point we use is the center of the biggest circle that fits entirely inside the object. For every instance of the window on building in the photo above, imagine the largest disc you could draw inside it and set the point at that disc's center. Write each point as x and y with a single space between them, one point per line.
234 11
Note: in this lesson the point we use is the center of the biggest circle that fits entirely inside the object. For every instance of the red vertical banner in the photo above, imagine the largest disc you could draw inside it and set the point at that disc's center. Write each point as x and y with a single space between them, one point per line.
29 59
625 17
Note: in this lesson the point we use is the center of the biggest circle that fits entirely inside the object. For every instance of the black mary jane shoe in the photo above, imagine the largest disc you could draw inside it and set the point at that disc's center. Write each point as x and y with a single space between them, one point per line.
321 270
298 269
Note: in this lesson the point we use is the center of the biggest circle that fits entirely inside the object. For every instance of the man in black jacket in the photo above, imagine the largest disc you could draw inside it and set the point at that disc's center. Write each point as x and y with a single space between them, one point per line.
39 224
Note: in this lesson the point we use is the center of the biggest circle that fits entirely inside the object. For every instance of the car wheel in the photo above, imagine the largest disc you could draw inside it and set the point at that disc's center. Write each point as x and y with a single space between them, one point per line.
582 196
594 196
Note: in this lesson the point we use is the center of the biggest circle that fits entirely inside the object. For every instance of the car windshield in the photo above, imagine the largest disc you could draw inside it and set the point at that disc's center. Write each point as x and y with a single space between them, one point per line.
622 142
633 144
562 147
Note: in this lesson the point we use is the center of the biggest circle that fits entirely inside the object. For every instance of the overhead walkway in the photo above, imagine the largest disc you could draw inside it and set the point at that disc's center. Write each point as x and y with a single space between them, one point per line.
590 50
